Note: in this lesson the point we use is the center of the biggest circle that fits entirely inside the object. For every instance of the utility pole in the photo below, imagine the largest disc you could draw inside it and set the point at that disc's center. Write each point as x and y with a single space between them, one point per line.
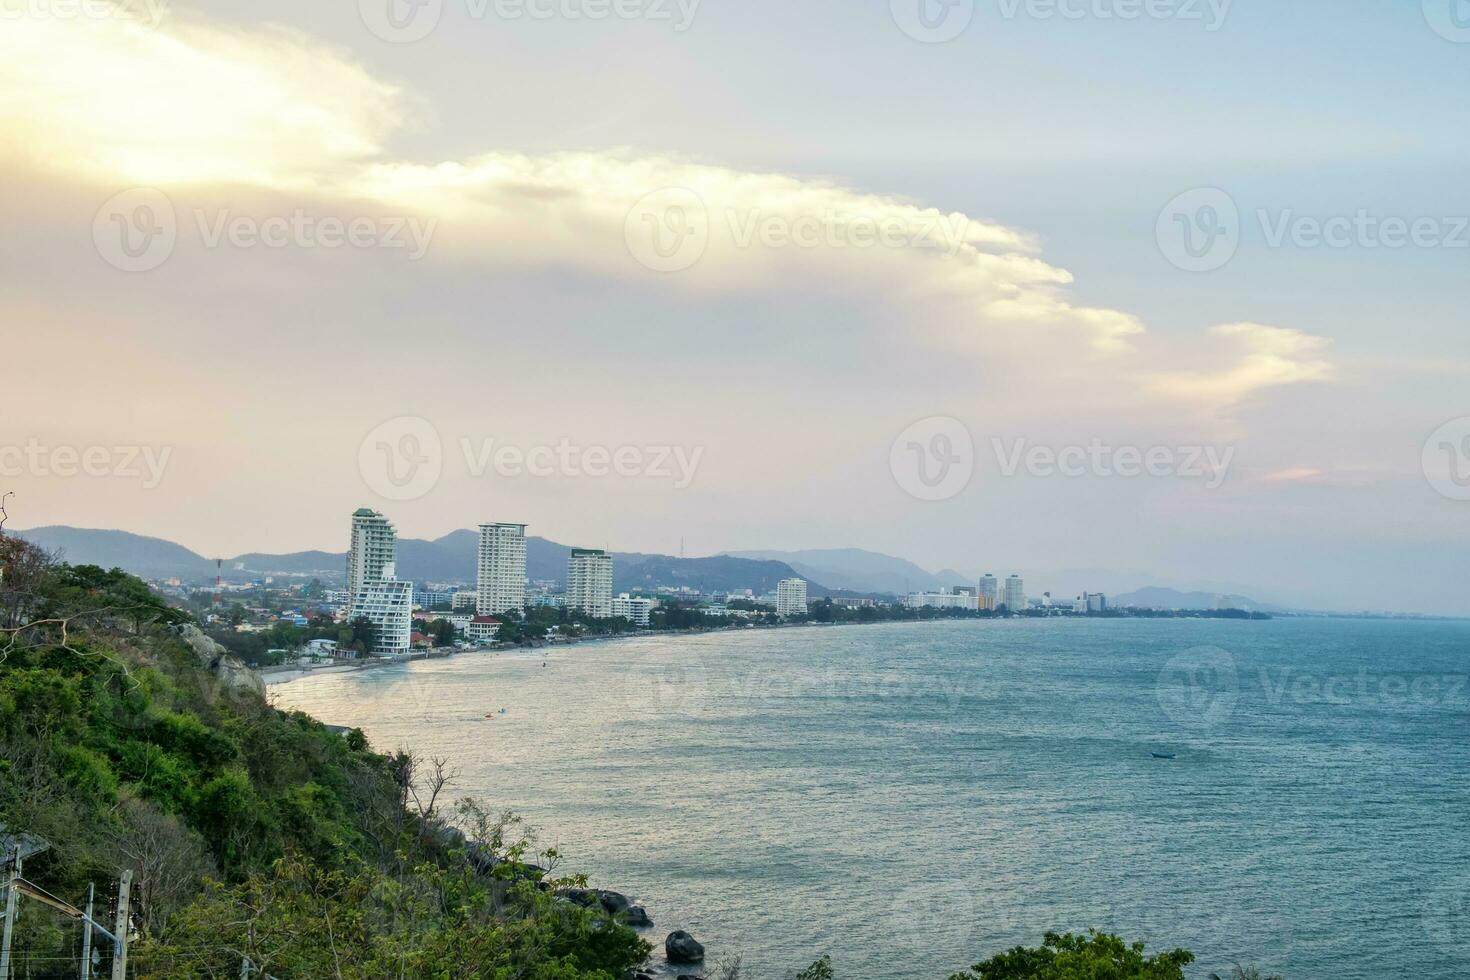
11 893
87 935
120 934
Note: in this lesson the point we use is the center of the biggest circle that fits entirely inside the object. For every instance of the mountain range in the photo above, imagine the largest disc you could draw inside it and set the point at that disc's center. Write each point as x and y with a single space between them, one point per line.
452 558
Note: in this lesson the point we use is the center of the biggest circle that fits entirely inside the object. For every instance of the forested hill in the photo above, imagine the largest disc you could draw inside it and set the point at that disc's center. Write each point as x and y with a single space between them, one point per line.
127 740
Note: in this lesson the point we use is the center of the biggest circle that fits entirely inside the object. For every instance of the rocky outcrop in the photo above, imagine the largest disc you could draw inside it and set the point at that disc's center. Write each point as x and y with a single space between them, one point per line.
613 903
680 947
233 677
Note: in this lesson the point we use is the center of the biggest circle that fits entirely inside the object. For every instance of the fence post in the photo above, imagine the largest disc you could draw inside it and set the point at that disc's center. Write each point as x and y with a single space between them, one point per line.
120 934
11 893
87 935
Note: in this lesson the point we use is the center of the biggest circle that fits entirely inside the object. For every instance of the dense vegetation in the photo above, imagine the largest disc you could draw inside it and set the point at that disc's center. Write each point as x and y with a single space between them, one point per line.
252 833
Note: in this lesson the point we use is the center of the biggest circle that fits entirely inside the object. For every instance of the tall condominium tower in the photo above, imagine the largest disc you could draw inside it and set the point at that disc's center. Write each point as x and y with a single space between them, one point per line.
1015 594
989 592
502 568
590 582
374 543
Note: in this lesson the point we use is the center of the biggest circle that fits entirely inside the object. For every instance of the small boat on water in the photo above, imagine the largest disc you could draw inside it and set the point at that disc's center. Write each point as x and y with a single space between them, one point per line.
1164 755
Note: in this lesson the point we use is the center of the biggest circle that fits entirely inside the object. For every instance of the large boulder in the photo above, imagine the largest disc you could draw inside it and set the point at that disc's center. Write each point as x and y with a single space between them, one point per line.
638 917
680 947
234 677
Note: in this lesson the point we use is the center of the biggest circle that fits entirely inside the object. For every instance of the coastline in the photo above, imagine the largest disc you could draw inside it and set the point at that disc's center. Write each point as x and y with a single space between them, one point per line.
285 674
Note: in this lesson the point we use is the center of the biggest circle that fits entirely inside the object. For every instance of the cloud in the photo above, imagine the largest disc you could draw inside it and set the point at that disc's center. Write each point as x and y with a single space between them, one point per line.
1258 357
114 99
118 101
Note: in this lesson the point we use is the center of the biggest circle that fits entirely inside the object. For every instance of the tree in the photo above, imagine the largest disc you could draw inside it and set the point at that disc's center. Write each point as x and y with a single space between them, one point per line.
1096 956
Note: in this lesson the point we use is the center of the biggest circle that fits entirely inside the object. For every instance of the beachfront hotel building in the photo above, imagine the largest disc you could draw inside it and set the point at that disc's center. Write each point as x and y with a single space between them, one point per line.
388 604
590 582
501 582
989 592
1015 598
791 597
374 545
635 610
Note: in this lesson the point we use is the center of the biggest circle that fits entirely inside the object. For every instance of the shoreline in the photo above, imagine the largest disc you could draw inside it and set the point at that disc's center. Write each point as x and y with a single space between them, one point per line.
285 674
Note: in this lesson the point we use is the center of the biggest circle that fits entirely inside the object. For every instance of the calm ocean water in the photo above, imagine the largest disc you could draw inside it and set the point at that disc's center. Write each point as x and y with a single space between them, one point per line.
911 798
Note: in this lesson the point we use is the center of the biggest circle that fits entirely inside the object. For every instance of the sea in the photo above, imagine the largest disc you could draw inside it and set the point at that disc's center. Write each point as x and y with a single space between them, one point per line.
914 798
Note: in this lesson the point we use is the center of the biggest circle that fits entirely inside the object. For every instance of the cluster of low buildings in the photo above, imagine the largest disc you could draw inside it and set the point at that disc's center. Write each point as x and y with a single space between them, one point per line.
994 595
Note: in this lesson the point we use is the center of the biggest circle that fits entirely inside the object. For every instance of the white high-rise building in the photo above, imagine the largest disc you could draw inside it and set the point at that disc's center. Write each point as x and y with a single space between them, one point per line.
634 610
590 582
989 592
374 546
791 597
1015 594
502 569
388 604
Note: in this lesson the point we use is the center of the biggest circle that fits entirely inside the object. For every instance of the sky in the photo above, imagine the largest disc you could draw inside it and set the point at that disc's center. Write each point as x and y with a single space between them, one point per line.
1170 288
